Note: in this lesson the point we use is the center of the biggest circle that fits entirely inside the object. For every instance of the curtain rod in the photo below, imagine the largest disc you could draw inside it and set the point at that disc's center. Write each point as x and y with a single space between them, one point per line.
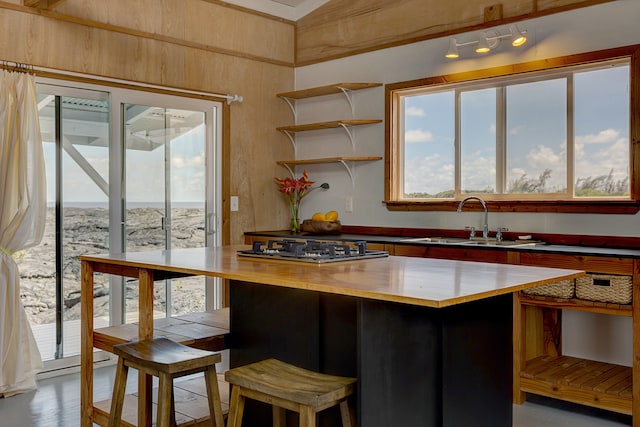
16 66
230 98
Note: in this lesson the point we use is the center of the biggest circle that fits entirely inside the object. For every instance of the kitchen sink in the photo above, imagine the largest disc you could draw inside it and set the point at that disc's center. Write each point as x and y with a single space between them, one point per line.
471 242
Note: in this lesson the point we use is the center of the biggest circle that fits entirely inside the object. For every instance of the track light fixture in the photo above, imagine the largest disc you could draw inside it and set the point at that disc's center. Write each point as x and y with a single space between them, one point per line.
488 41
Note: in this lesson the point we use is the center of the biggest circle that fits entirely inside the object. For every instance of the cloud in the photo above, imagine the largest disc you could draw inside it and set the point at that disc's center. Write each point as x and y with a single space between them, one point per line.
430 174
603 137
417 135
414 111
544 157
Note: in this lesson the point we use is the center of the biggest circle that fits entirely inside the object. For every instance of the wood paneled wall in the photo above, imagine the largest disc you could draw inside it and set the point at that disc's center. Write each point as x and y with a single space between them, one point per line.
184 44
341 28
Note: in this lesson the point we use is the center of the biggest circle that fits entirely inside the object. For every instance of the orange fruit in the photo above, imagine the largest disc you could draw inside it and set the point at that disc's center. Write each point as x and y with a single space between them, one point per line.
318 216
331 216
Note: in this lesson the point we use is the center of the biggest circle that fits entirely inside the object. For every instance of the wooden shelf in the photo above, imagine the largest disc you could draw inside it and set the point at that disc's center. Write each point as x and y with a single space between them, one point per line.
344 88
577 304
206 330
328 160
344 161
587 382
346 125
325 125
326 90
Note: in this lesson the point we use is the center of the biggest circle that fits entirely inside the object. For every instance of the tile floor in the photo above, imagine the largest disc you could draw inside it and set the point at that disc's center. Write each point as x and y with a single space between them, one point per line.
56 403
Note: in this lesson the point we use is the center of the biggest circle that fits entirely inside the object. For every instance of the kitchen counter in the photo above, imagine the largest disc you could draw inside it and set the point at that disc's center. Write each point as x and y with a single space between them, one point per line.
404 240
397 279
430 341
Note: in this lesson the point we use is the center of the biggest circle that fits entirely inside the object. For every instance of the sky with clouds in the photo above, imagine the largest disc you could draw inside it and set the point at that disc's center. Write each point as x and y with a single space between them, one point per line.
536 132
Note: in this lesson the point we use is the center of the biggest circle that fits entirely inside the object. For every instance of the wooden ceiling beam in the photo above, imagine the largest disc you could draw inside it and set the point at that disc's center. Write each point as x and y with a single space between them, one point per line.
42 4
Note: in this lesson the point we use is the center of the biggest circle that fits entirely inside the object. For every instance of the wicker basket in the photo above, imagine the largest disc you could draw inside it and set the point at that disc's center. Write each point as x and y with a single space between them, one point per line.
605 288
561 289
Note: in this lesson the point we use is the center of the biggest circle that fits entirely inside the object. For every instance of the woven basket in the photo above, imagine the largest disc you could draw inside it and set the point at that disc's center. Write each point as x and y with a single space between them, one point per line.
605 288
561 289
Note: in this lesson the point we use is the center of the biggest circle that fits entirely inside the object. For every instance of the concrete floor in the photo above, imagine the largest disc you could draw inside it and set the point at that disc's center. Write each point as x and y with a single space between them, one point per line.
56 403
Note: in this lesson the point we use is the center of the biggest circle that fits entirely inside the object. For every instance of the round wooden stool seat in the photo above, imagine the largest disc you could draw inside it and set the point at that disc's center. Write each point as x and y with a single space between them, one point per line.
166 360
285 386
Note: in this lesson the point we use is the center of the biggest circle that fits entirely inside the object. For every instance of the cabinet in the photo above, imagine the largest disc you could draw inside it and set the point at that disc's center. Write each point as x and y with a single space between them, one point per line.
539 364
347 125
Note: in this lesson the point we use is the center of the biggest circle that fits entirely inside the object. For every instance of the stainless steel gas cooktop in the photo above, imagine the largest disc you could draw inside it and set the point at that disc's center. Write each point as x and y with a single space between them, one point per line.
313 251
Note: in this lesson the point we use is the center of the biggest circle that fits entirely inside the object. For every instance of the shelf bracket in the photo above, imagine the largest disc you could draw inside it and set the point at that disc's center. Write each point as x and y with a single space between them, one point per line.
350 133
291 171
350 172
291 102
292 138
348 93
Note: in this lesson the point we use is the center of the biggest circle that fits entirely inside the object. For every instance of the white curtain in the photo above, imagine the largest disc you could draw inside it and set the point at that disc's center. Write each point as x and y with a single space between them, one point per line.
22 218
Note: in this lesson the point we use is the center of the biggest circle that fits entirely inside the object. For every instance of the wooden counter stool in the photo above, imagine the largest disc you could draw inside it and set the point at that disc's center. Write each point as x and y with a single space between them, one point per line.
286 386
166 360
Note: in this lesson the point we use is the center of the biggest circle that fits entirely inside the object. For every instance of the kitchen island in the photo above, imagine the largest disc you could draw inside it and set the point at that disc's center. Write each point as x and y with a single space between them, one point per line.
429 340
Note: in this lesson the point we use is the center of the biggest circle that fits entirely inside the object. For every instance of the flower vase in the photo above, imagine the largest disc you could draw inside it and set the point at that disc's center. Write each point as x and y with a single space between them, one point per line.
294 224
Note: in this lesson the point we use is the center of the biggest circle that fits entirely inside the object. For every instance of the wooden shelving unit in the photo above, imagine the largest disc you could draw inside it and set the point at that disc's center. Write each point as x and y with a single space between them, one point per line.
347 125
540 367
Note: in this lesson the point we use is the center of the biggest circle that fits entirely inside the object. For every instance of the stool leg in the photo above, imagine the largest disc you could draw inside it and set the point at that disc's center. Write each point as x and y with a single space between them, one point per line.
165 394
117 399
172 410
346 414
307 417
213 394
236 407
279 416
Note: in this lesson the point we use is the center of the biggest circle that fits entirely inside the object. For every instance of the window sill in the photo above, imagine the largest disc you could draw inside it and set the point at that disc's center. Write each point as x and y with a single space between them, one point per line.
618 207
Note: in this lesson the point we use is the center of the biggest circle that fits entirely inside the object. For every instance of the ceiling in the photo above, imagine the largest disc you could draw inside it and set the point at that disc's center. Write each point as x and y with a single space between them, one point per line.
287 9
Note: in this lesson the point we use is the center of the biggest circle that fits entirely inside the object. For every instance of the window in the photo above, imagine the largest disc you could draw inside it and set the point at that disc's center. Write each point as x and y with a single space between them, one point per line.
554 139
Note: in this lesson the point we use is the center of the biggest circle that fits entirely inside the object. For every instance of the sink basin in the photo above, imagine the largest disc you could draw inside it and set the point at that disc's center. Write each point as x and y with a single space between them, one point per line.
471 242
440 240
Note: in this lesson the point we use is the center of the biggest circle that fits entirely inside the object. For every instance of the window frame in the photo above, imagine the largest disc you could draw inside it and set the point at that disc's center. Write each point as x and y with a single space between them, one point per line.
393 125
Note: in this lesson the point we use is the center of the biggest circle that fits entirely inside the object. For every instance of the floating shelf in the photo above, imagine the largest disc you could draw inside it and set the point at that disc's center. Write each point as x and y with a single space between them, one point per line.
345 88
342 160
290 131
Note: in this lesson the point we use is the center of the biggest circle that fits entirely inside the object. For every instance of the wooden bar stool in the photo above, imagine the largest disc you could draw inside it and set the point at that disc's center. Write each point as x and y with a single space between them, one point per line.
286 386
166 360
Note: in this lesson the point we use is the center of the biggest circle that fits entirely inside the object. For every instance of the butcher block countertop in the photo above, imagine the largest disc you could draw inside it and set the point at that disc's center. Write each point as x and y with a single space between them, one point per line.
418 281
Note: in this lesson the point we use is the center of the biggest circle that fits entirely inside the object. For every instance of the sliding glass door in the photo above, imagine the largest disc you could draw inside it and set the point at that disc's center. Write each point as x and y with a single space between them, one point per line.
126 171
165 152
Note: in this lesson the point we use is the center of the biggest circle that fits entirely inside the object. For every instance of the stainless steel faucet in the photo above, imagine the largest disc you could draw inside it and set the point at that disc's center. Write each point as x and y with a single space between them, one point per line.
485 226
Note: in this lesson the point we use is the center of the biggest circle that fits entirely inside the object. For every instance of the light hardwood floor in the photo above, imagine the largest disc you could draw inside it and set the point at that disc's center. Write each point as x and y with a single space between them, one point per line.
56 403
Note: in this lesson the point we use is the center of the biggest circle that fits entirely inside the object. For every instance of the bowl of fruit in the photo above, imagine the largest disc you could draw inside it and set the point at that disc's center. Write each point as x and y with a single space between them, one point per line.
322 223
